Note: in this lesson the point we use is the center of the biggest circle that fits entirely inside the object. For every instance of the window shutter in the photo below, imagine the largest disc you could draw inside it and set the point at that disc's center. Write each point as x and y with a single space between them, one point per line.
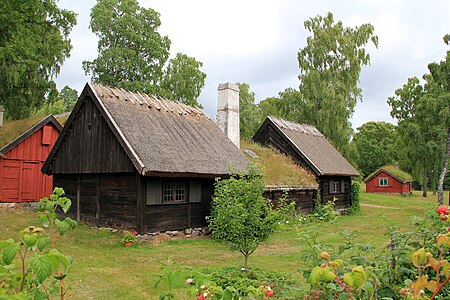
154 192
330 186
195 192
342 186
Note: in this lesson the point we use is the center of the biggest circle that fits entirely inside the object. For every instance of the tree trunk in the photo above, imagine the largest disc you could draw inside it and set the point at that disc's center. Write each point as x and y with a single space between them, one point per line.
444 170
245 261
425 183
434 182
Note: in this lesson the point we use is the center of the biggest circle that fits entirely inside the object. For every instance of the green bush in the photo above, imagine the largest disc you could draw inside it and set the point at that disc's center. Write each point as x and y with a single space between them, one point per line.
240 216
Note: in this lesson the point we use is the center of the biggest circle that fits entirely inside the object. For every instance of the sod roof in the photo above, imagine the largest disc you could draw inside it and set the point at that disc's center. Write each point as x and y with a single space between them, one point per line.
394 172
279 170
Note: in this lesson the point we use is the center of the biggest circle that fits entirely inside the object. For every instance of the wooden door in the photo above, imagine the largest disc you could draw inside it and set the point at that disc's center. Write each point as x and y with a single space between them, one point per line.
9 180
31 177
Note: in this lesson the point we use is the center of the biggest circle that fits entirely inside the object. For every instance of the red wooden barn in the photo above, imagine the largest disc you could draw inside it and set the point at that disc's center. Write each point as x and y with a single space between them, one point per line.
389 179
21 179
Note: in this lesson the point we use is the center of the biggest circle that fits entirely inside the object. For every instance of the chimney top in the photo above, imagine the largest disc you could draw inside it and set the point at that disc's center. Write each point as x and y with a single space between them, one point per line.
229 86
228 111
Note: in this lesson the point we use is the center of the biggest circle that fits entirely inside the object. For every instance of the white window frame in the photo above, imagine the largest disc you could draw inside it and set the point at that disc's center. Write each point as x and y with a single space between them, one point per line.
383 181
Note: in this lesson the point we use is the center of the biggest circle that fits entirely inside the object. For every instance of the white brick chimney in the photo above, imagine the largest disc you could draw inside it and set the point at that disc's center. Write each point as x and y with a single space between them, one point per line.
228 111
2 109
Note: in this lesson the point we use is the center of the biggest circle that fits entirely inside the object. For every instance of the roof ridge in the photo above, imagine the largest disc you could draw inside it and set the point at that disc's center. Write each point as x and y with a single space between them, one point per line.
150 101
290 125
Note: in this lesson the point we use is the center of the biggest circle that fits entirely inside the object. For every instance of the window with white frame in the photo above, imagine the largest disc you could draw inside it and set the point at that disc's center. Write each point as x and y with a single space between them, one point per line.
174 192
383 181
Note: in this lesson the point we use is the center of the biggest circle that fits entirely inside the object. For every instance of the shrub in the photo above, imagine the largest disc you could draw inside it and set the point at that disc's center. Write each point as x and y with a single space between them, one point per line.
354 196
240 216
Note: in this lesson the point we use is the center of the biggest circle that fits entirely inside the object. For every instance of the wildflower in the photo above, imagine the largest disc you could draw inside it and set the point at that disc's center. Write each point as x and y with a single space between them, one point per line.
189 281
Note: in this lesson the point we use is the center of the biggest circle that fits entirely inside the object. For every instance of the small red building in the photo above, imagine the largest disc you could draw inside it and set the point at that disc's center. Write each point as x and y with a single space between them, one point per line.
21 179
389 179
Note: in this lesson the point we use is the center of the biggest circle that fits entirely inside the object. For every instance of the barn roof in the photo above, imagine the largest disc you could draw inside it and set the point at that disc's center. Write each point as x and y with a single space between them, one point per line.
312 146
20 123
392 171
160 135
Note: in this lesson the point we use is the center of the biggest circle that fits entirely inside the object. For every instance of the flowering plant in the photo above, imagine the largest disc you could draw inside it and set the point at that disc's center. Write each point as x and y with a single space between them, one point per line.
130 237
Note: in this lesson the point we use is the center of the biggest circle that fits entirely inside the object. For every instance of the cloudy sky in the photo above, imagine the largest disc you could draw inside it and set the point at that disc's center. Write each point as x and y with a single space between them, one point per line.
256 42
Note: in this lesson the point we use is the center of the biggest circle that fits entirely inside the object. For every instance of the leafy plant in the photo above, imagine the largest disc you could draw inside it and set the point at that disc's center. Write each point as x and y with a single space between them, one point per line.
240 217
29 276
48 208
354 196
129 237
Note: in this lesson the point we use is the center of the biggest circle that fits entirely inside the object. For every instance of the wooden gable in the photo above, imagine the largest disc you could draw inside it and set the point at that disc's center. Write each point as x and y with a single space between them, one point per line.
88 145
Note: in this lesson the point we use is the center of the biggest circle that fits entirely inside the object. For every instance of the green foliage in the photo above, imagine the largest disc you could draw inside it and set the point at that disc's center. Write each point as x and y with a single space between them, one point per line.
33 46
249 115
375 146
240 216
324 212
354 196
133 54
131 51
330 66
29 276
69 96
423 114
183 80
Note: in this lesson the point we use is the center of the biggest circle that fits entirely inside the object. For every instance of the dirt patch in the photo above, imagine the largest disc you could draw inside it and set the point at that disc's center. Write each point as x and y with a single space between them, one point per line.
378 206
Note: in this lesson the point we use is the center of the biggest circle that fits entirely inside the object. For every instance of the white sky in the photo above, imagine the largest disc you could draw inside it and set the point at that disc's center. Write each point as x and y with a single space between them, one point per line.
256 42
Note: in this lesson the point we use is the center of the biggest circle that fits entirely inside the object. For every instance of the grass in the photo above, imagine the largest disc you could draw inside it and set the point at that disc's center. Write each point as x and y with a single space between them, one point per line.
278 169
104 269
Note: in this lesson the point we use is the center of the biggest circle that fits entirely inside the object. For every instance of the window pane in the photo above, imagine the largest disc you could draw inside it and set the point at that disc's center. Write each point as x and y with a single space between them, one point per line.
179 192
167 193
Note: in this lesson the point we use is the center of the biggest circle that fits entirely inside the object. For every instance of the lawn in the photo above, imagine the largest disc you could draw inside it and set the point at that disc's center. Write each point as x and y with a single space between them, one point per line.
104 269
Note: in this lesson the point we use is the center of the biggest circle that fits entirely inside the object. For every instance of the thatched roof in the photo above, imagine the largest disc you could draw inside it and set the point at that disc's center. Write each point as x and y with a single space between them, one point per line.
14 132
280 171
394 172
162 136
312 146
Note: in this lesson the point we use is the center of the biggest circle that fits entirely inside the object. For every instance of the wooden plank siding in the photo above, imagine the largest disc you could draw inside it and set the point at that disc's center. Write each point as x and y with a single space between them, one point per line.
91 146
21 179
105 199
183 215
343 199
304 199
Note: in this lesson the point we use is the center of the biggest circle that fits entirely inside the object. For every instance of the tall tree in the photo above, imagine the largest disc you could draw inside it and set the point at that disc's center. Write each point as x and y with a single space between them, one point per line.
375 143
132 53
423 114
330 66
437 105
411 140
249 115
183 80
34 42
69 96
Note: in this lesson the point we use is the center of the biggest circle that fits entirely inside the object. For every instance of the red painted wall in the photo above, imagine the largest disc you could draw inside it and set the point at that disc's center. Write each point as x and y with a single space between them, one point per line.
21 179
394 186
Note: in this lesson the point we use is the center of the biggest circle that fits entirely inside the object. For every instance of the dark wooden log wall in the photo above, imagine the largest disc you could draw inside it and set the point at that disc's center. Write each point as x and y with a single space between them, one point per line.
90 146
104 199
343 199
304 199
180 216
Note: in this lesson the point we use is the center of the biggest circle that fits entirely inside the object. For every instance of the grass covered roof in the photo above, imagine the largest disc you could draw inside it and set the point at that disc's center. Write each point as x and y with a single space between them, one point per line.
393 171
278 169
